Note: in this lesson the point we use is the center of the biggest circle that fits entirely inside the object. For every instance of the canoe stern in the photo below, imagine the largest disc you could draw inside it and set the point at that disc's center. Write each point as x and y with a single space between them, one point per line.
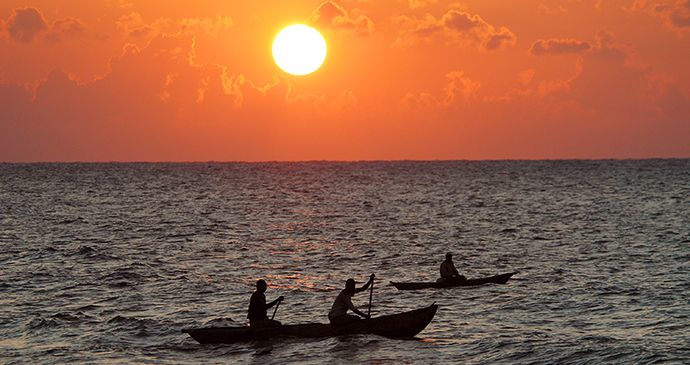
404 325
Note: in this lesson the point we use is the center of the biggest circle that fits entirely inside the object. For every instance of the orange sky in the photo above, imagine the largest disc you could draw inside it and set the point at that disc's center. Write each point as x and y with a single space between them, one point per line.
174 80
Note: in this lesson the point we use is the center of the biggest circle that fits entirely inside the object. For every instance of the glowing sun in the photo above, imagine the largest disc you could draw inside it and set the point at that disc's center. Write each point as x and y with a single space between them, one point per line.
299 49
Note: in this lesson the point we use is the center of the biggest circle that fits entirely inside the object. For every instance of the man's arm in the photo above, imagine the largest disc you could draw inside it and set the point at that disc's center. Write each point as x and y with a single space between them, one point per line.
271 304
353 308
366 286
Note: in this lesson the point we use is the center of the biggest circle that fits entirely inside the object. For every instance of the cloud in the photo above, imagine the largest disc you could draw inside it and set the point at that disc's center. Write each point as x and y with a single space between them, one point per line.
206 26
160 83
606 38
417 4
525 76
460 86
676 14
548 10
331 16
157 103
157 82
460 91
603 66
148 101
25 24
425 102
345 101
65 28
557 47
610 90
133 26
456 27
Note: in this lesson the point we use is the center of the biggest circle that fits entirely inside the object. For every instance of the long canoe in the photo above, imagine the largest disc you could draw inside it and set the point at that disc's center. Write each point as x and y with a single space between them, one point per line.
497 279
402 325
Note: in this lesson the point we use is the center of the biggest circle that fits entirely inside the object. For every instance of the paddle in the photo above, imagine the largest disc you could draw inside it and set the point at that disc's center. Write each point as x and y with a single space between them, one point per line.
275 310
371 294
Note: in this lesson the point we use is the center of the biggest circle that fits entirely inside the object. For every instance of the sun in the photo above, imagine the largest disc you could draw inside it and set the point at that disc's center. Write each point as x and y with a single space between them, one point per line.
299 49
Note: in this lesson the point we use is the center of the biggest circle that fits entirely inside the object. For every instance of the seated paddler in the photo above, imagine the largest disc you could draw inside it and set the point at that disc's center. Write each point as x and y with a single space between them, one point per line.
448 270
258 306
338 315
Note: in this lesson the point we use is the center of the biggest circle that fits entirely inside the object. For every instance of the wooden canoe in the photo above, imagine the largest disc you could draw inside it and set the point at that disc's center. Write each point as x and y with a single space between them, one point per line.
497 279
402 325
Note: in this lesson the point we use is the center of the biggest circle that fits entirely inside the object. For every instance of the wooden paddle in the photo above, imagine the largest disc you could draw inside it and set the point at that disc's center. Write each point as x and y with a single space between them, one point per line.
371 294
275 310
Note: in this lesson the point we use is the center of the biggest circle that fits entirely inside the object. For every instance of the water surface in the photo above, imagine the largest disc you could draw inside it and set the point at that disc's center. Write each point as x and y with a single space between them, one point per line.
106 263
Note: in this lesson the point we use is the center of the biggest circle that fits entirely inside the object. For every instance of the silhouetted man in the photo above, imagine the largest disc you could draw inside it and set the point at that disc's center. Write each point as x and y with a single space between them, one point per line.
338 315
257 307
448 270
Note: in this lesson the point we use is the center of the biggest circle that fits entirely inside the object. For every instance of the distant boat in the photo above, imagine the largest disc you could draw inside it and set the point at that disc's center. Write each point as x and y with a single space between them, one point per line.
497 279
402 325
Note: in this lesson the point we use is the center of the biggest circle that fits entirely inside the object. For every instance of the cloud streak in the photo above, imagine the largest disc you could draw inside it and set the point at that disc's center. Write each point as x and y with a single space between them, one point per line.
459 28
557 47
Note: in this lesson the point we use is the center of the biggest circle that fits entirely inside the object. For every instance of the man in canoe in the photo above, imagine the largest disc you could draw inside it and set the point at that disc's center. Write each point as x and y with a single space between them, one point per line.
448 270
257 307
338 315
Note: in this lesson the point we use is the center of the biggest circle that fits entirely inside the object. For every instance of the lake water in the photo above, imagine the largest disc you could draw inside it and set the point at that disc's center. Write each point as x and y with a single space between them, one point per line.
106 263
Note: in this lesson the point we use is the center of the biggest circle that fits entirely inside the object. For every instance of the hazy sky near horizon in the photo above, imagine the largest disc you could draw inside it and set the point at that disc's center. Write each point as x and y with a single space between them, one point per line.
172 80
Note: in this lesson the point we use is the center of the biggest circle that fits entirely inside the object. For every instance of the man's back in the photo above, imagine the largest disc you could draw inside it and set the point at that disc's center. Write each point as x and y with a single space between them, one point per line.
447 269
257 307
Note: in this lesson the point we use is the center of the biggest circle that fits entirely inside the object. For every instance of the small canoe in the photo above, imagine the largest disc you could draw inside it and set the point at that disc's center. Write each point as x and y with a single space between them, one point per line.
497 279
402 325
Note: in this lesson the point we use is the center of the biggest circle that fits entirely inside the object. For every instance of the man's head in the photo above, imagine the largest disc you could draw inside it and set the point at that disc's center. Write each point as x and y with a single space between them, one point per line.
350 286
449 256
261 285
